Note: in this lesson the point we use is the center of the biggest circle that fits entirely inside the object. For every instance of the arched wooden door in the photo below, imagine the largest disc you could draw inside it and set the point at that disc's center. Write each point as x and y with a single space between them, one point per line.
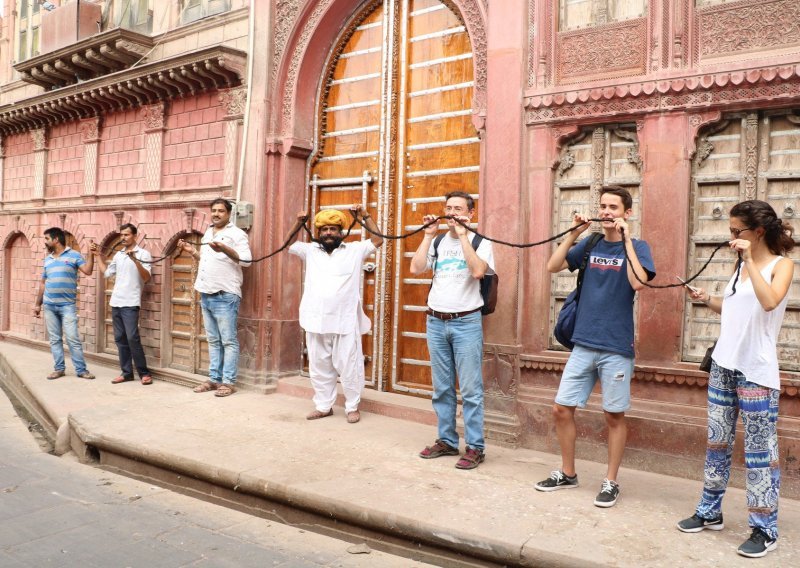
188 347
396 133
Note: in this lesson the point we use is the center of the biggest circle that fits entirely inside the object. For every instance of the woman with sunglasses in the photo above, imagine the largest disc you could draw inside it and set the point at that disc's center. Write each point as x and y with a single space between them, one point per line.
744 375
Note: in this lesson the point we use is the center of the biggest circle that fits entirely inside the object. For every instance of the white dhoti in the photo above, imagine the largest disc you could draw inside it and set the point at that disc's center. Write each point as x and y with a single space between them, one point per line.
333 356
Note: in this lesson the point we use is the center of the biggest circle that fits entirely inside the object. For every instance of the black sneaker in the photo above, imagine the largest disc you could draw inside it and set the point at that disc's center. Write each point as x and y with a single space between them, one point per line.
757 545
696 523
557 480
609 491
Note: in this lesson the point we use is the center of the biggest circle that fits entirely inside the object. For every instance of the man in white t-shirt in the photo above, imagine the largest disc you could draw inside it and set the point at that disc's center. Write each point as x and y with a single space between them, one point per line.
454 327
331 311
130 269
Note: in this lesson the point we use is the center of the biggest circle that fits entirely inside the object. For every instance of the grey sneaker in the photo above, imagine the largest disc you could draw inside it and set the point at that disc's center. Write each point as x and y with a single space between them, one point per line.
696 523
609 491
757 545
557 480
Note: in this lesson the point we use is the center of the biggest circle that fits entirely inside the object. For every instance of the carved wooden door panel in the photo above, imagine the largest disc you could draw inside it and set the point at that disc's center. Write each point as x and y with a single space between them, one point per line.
746 156
396 134
188 346
108 346
606 155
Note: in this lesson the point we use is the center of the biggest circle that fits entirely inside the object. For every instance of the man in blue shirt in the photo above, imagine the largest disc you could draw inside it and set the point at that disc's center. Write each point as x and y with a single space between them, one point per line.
603 335
58 294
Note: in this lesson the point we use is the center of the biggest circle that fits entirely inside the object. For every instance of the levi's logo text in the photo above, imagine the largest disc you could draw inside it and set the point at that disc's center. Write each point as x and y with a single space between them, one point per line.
605 263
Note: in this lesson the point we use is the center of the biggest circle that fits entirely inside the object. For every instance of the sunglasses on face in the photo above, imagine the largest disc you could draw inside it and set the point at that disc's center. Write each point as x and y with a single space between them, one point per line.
737 232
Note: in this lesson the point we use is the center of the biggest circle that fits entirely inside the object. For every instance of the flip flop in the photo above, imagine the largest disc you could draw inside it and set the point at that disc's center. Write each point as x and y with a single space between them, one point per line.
147 380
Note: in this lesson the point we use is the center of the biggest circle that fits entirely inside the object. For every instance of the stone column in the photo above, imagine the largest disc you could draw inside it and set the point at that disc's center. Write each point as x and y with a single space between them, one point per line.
502 195
2 165
153 117
91 142
234 101
666 179
39 137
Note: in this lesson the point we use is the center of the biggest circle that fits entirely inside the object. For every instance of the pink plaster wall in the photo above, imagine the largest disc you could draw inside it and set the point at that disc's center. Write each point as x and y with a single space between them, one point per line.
194 143
18 167
120 168
65 161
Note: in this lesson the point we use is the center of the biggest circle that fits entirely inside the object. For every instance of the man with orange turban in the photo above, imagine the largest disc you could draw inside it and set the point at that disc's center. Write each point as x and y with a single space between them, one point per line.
330 310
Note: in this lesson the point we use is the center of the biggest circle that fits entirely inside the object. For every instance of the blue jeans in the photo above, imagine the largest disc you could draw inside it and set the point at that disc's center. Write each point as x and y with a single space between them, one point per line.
731 394
220 312
456 349
64 318
129 344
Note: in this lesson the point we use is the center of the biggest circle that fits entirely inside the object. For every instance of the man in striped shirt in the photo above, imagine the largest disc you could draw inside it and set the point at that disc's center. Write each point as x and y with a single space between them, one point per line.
58 293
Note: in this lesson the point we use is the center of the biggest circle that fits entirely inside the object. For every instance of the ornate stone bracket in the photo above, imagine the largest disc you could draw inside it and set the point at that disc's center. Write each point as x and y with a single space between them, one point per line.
633 152
183 75
565 138
704 146
773 86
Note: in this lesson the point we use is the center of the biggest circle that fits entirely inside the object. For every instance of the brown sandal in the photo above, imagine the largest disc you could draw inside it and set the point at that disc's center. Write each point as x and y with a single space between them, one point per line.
353 417
147 380
55 375
225 390
316 415
206 386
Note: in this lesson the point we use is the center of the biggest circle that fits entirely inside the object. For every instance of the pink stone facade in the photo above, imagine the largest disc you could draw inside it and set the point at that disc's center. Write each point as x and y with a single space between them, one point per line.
649 100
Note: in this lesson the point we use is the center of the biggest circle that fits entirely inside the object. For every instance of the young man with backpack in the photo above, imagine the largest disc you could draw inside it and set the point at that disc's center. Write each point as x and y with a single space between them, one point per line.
603 335
454 327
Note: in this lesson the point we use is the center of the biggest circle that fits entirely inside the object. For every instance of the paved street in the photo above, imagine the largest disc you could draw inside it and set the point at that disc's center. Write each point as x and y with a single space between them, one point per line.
55 512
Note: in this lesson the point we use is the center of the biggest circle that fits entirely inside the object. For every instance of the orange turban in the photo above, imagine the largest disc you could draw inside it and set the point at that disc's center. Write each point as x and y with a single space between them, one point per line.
330 217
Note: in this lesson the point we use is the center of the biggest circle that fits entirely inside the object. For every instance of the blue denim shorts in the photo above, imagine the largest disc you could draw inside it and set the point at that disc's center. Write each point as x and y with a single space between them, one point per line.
583 369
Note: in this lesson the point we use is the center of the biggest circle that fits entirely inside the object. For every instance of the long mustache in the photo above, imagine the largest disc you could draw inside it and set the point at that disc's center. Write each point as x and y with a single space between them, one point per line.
331 245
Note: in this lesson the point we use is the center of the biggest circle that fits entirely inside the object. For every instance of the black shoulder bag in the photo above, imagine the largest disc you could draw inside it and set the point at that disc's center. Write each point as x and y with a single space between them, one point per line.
565 324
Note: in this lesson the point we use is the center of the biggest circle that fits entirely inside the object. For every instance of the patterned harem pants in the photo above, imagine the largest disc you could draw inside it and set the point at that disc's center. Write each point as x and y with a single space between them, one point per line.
729 394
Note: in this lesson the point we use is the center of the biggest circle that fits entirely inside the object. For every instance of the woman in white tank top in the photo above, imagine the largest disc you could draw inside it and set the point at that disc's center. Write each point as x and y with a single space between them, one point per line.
744 377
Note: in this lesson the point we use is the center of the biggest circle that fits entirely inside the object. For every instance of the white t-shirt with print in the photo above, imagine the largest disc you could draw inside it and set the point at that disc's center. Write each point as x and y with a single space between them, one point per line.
454 289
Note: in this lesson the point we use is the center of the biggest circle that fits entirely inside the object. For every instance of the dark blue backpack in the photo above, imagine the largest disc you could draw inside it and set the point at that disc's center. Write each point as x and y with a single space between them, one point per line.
565 324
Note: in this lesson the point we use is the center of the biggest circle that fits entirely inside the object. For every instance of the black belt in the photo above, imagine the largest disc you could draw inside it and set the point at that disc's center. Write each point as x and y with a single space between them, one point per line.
449 316
217 293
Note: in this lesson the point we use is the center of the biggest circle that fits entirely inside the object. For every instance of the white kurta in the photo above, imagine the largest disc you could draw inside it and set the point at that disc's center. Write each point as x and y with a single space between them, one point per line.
333 317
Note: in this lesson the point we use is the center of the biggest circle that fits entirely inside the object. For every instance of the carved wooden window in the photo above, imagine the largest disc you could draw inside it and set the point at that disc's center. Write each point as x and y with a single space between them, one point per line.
605 155
396 133
747 156
574 14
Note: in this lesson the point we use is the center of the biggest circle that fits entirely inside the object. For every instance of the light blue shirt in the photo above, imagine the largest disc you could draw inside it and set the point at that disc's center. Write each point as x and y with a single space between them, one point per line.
60 274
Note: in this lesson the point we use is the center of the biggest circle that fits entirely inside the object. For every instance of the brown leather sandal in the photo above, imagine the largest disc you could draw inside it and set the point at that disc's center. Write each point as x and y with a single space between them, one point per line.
205 387
316 415
55 375
147 380
225 390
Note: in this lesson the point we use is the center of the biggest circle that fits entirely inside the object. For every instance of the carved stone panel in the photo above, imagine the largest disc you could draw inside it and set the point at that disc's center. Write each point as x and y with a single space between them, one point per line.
608 51
749 25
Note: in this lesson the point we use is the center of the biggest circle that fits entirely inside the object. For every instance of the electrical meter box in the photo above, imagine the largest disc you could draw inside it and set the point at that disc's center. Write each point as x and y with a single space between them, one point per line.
244 215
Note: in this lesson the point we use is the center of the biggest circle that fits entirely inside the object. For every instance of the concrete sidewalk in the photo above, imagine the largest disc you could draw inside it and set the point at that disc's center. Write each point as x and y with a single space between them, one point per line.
368 475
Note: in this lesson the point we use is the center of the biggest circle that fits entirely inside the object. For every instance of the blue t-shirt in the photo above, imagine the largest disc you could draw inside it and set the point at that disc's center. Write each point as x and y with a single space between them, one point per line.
605 312
61 277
